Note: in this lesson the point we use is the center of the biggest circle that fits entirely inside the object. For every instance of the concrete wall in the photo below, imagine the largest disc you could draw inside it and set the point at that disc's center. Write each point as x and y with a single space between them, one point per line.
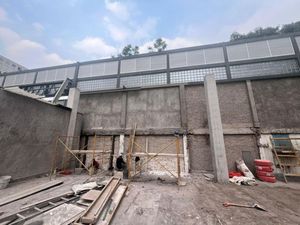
28 130
276 100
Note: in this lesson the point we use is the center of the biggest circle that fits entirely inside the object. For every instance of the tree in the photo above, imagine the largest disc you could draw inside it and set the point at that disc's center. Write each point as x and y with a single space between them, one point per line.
268 31
129 50
158 46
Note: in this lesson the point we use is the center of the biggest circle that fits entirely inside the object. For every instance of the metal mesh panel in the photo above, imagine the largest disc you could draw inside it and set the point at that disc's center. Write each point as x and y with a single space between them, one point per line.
197 75
144 64
282 46
55 74
158 62
128 65
98 69
264 69
144 80
259 49
237 52
178 60
214 55
18 79
95 85
195 58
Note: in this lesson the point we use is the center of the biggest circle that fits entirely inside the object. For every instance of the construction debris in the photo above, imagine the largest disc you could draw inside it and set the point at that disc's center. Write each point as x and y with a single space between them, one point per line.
255 206
77 188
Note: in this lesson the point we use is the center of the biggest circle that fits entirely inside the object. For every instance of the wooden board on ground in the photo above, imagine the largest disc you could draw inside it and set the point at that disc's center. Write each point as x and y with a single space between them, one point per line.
116 199
61 215
28 192
93 212
91 195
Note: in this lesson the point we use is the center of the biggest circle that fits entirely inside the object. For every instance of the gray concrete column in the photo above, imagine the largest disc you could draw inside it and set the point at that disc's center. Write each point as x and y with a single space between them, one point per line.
217 144
73 102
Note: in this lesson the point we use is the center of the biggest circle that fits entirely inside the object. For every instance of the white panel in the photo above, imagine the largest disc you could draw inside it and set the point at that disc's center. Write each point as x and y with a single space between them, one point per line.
84 71
1 80
282 46
111 68
195 58
298 41
237 52
97 69
143 64
258 49
42 76
55 74
214 55
178 60
10 80
128 66
158 62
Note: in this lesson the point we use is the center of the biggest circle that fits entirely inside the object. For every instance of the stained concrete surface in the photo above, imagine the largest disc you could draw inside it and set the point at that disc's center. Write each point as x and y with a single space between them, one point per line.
149 202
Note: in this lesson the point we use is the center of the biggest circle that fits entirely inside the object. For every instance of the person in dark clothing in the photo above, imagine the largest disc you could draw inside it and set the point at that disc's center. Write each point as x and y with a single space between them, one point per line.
120 164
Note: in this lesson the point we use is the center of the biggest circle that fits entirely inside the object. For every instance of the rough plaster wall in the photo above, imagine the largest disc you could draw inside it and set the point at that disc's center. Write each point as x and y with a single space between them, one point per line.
234 105
200 154
101 110
196 107
278 102
28 129
235 145
153 108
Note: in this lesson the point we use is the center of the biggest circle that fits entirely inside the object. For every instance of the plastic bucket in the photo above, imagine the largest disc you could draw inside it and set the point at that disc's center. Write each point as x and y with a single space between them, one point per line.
4 180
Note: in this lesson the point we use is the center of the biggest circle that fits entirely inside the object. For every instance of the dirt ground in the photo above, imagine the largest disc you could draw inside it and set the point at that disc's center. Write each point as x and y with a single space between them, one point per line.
199 202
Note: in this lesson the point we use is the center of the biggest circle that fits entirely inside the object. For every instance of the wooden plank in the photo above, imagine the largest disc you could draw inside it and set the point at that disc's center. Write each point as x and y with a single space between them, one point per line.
116 200
28 192
91 195
93 212
61 215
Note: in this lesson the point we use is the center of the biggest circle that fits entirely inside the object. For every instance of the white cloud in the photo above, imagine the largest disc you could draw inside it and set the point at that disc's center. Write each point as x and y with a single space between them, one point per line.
3 15
271 13
26 52
172 43
118 9
38 27
132 32
95 47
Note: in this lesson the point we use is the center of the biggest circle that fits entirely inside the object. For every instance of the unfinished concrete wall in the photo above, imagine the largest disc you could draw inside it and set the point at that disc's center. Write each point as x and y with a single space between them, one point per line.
153 108
278 103
101 110
28 130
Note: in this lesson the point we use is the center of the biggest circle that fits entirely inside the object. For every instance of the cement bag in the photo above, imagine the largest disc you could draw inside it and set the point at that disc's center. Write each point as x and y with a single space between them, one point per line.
240 164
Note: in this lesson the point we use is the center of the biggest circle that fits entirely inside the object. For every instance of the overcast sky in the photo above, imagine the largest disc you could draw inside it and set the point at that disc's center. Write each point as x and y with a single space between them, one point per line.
37 33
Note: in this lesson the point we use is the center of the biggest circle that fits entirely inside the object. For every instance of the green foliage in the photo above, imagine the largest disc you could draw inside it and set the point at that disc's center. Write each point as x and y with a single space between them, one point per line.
268 31
158 46
129 50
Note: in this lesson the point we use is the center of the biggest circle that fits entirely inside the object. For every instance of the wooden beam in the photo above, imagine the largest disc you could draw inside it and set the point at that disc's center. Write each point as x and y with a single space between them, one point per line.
28 192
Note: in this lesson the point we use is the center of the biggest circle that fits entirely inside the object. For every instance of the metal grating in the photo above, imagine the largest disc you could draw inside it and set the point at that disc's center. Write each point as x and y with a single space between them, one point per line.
144 80
96 85
98 69
260 49
197 57
197 75
19 79
265 68
282 46
59 74
144 64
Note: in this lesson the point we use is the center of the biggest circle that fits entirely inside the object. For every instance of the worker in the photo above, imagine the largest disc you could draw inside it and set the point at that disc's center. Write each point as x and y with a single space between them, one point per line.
120 164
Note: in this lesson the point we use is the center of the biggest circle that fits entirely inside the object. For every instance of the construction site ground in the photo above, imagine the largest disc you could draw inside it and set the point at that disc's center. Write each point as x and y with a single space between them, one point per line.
158 201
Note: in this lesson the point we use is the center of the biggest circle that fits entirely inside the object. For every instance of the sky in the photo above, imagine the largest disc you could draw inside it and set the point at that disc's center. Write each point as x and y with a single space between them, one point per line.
39 33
